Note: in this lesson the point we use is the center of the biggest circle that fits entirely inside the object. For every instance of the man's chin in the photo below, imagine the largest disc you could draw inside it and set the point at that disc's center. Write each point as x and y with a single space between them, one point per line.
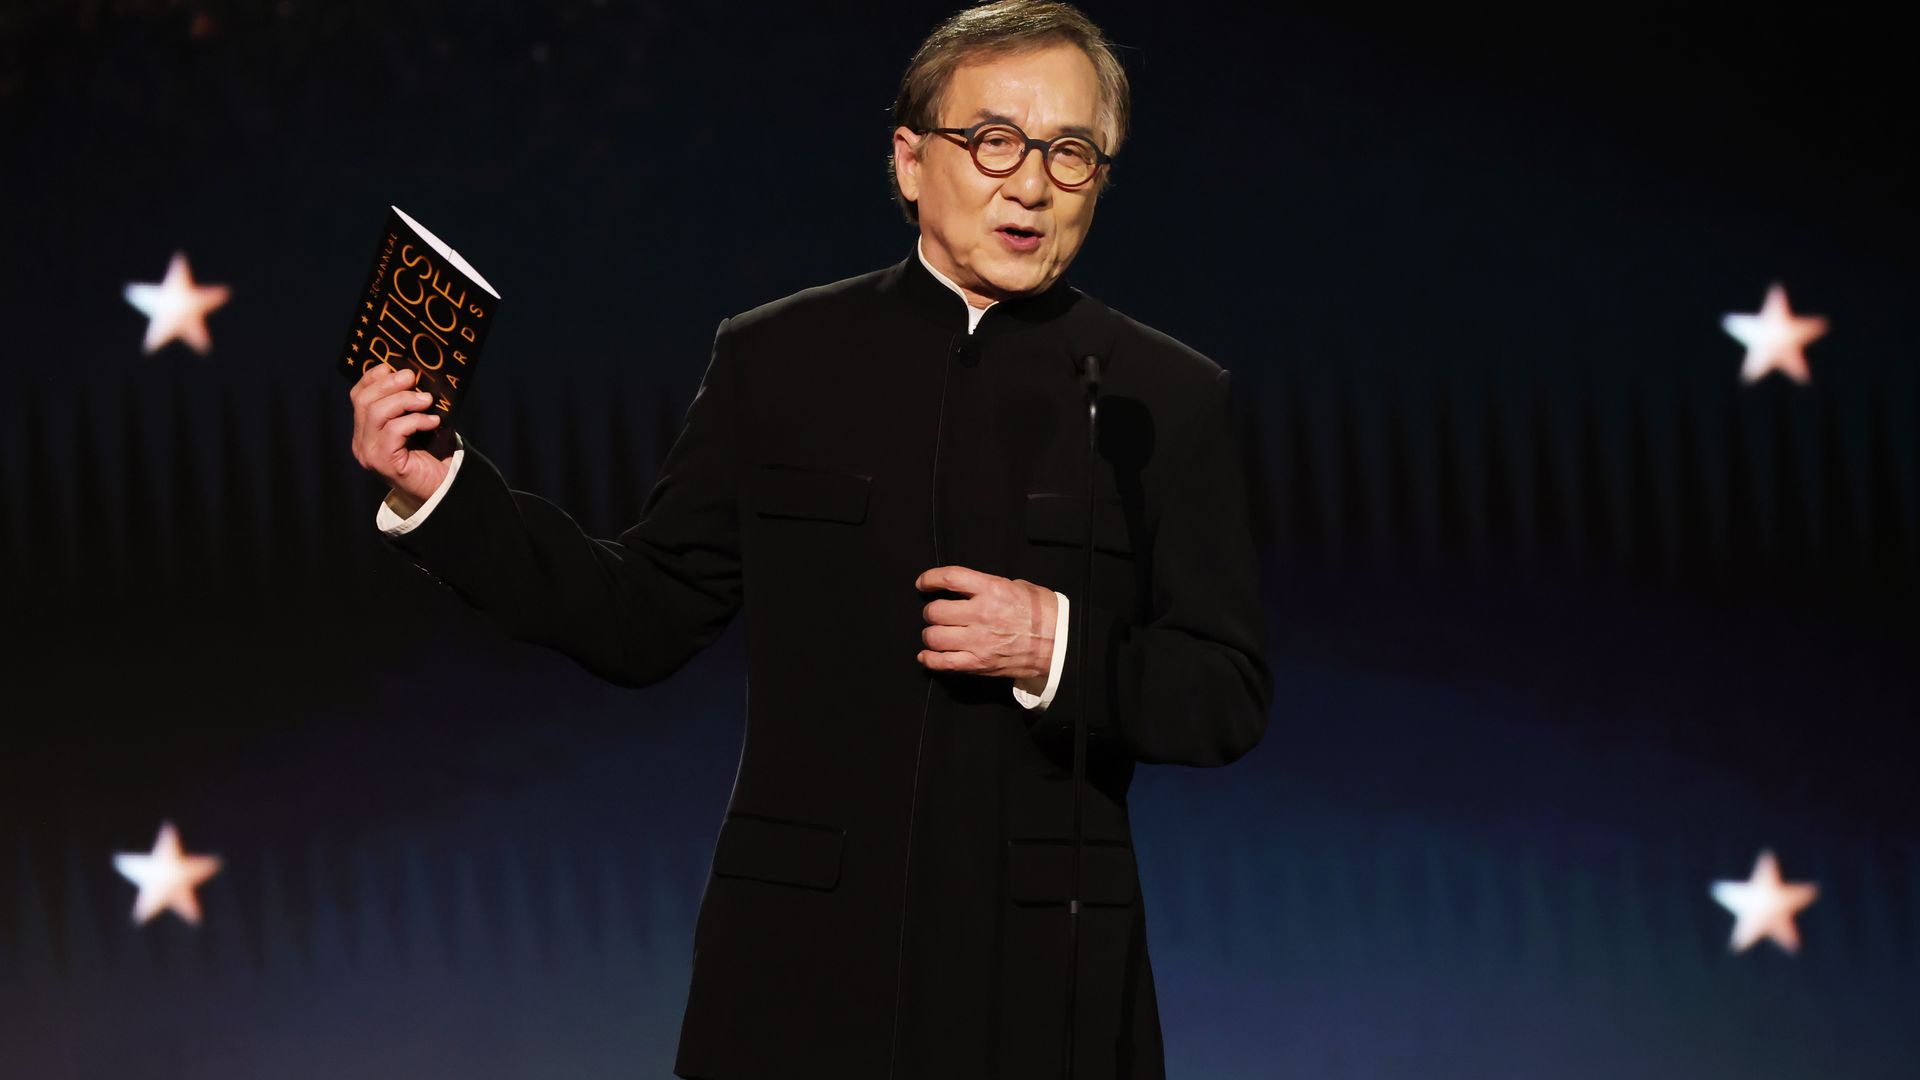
1012 285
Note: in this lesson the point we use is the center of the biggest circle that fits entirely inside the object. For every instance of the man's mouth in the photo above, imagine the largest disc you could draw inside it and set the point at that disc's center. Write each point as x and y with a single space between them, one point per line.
1019 239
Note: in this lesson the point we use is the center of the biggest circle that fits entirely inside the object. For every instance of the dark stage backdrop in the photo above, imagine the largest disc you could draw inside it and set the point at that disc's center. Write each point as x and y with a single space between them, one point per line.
1571 622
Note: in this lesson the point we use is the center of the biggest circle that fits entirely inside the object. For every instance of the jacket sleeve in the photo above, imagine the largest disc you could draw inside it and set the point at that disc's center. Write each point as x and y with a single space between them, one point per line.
1193 685
632 610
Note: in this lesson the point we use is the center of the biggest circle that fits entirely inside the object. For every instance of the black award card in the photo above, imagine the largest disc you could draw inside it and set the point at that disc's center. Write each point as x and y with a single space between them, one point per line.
425 308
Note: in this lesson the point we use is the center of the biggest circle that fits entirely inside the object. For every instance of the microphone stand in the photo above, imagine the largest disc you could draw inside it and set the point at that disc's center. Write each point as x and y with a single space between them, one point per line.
1080 716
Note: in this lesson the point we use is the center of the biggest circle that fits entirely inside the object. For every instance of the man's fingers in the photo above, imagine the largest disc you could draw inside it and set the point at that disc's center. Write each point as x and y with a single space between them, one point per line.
947 612
377 410
379 380
363 387
411 423
370 378
944 638
381 411
949 661
386 409
377 398
958 579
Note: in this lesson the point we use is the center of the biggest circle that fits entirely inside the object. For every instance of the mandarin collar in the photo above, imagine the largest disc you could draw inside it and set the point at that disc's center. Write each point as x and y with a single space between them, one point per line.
935 302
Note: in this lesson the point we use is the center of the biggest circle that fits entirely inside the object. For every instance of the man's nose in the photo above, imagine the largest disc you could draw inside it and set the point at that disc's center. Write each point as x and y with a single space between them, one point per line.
1029 183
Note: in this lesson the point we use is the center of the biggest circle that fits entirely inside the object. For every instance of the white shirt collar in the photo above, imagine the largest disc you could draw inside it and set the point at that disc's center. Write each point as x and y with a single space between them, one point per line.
973 313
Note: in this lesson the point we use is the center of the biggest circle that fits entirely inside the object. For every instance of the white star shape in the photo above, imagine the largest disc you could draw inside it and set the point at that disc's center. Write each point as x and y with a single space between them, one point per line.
1776 338
1764 906
166 877
176 308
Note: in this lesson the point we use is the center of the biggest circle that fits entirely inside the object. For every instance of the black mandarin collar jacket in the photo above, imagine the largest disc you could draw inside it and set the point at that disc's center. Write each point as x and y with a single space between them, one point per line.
887 895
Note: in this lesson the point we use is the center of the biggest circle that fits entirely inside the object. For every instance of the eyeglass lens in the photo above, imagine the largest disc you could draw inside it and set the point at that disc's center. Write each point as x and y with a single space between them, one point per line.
1000 150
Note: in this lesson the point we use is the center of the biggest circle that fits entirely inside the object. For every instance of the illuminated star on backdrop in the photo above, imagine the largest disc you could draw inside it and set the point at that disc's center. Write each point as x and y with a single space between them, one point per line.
1776 338
1764 906
166 877
176 308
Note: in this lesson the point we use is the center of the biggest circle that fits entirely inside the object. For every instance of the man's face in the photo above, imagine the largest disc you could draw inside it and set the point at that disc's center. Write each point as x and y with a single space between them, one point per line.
971 224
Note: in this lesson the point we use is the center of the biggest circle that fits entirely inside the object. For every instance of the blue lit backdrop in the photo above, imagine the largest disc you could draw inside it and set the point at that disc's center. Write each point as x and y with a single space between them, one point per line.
1570 622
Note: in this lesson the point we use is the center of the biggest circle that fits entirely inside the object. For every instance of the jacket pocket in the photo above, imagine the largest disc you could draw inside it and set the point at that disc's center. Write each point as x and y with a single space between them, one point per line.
1041 872
777 850
1054 518
797 491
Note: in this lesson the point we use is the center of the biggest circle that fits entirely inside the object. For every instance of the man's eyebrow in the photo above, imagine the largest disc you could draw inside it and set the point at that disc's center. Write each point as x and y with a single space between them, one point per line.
998 118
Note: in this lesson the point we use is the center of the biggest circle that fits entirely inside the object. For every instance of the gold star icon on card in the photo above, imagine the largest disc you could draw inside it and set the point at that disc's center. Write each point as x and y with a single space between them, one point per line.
176 307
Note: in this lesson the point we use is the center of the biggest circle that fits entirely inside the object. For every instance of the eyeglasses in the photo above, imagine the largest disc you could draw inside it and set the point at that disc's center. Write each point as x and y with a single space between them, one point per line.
999 148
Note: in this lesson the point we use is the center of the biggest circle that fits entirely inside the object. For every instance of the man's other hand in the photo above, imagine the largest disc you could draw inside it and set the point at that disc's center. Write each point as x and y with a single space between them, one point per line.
387 409
1001 627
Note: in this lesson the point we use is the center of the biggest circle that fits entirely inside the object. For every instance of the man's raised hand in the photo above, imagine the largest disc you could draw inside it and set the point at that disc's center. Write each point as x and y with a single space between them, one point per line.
1002 627
386 409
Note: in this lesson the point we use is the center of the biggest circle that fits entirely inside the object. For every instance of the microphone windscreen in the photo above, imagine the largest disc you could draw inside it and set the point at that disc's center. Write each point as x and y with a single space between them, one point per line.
1089 331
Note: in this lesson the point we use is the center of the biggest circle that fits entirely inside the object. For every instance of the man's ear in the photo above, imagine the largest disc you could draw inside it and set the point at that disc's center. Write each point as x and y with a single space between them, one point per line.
906 162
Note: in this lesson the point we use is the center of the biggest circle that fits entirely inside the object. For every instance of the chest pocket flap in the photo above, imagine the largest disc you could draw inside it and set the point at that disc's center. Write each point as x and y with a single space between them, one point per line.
798 491
1041 872
777 850
1054 518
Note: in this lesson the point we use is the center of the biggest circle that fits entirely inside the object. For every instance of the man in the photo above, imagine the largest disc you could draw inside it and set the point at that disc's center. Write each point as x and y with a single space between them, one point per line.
890 471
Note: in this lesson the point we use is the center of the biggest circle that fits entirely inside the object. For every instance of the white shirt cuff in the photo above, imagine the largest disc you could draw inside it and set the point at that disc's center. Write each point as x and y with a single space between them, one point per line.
394 525
1045 698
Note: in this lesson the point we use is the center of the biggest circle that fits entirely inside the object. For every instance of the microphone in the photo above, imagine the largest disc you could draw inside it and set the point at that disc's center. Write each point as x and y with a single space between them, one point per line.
1089 334
1089 366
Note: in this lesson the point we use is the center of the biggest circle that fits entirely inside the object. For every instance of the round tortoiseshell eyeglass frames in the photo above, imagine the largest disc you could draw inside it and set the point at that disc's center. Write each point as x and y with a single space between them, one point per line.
999 148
